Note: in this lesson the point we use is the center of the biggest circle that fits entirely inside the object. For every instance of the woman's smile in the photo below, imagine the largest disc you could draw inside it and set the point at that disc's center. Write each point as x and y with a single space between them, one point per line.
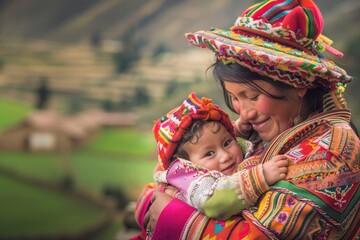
257 126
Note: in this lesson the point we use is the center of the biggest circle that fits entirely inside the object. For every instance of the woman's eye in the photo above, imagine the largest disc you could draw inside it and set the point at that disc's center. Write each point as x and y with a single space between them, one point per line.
253 98
233 98
209 154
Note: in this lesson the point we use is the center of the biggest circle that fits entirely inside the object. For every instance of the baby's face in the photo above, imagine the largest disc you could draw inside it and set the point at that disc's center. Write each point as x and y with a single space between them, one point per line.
215 150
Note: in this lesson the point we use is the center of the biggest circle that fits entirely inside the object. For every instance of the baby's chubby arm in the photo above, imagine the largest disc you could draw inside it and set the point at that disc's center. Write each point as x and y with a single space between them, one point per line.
209 191
275 169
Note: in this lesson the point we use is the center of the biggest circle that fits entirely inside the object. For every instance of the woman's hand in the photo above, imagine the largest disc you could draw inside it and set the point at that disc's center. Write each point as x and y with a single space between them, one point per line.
158 203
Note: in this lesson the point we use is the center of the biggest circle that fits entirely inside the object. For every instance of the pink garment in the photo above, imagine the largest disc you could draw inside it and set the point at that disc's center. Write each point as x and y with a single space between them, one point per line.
177 214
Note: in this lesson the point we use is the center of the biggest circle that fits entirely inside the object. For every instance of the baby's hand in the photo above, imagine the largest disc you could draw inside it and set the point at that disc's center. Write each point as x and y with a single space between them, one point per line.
242 129
275 169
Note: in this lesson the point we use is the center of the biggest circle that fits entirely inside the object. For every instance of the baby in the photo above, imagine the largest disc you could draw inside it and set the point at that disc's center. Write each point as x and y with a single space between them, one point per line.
199 156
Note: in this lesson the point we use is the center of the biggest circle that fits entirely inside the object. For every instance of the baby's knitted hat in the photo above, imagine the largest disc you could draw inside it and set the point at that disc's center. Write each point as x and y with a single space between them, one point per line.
169 129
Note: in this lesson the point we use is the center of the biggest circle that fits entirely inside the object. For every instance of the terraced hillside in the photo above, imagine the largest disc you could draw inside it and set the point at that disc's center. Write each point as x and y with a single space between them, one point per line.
82 72
43 38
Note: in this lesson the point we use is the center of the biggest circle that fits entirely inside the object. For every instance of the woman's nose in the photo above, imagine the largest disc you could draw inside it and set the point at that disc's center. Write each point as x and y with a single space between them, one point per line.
247 113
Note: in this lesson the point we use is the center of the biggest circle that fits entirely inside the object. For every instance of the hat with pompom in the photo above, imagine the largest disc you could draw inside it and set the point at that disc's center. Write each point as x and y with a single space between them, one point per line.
280 39
169 129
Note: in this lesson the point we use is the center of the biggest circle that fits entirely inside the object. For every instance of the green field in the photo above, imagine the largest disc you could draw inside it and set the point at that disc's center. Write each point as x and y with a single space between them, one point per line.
123 158
11 112
124 141
32 211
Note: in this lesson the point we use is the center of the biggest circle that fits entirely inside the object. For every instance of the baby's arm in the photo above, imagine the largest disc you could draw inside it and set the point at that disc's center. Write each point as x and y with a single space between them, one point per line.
275 169
220 196
255 178
209 191
242 130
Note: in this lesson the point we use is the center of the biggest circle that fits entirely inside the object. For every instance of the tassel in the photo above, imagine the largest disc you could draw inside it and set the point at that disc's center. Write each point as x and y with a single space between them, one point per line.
333 51
326 42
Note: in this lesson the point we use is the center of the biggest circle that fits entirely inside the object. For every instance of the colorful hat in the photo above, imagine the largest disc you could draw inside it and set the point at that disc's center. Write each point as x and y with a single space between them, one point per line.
169 129
280 39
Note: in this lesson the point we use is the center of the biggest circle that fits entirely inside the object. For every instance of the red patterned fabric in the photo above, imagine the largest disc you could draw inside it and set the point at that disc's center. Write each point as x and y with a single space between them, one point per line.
320 198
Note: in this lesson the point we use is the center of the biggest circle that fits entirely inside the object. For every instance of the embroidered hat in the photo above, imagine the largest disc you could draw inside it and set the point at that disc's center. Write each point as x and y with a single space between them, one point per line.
280 39
169 129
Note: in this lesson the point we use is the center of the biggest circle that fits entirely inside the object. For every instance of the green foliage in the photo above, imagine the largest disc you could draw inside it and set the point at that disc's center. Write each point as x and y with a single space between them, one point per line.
126 104
172 87
159 49
126 56
108 105
95 39
141 96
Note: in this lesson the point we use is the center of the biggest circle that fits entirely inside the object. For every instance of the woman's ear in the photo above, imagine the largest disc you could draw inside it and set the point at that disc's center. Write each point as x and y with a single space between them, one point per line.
301 92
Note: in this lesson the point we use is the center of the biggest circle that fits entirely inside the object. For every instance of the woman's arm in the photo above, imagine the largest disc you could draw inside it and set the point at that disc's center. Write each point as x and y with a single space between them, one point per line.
177 220
143 204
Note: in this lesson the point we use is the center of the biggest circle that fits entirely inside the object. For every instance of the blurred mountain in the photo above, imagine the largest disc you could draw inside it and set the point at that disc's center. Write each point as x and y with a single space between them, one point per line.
56 39
149 22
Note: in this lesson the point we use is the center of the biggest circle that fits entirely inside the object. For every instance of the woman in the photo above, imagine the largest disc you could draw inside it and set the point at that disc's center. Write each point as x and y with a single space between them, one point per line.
288 97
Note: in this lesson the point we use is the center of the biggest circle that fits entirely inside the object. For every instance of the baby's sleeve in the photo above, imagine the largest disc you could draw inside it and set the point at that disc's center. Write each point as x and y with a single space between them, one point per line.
209 191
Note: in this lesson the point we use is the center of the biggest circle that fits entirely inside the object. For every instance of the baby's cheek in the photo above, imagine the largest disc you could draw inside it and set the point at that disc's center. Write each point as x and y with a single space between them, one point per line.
240 156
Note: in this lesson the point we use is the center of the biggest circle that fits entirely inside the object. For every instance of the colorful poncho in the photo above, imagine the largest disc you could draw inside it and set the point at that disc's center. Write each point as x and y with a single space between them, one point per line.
318 200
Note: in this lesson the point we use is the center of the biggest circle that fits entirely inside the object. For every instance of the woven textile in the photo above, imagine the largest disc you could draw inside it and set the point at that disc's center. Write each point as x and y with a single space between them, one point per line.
280 39
320 198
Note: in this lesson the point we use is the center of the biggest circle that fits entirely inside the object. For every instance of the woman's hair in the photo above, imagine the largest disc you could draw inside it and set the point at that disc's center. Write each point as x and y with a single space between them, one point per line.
238 74
193 133
313 99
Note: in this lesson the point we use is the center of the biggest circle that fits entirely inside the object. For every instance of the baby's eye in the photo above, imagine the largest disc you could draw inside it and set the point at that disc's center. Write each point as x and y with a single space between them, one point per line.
209 153
227 142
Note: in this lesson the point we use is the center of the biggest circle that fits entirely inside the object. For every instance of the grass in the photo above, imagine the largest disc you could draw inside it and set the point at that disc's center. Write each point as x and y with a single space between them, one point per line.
92 170
124 141
95 170
29 211
12 112
44 166
118 157
111 230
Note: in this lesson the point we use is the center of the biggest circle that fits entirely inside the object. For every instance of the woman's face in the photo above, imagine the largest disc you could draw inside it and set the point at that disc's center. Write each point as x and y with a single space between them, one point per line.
267 116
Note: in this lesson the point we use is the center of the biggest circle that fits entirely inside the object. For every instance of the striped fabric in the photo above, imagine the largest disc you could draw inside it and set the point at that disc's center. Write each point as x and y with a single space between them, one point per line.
280 39
319 198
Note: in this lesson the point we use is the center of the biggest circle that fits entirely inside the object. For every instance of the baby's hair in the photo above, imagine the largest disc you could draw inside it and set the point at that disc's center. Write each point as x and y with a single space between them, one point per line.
192 135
